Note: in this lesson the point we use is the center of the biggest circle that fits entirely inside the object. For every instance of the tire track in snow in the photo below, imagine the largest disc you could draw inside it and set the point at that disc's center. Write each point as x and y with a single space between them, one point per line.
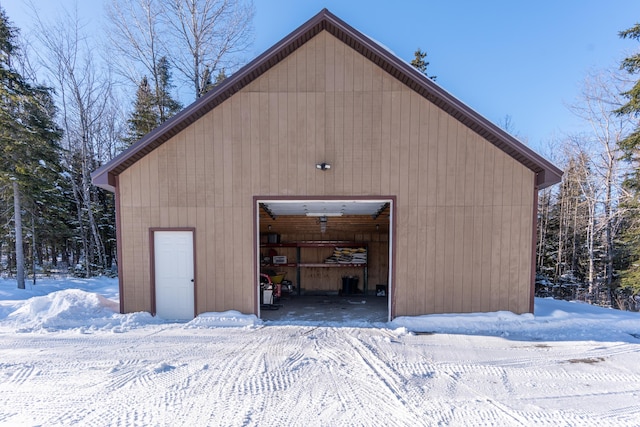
475 377
124 373
203 392
501 411
460 381
172 380
410 401
230 381
349 397
627 414
392 381
328 386
21 374
420 379
283 372
347 392
538 356
284 375
153 382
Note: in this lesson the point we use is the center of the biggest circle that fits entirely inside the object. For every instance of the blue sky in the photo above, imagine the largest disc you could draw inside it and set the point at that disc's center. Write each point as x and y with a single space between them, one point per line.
525 59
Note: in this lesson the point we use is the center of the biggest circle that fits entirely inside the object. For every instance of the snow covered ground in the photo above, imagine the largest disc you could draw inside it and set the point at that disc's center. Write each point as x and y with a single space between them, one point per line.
68 358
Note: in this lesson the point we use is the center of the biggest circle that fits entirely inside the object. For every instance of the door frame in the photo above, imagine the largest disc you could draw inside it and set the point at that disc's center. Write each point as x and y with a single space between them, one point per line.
392 200
152 262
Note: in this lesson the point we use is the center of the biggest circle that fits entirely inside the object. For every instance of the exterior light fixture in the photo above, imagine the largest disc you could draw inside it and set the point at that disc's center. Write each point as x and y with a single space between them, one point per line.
323 166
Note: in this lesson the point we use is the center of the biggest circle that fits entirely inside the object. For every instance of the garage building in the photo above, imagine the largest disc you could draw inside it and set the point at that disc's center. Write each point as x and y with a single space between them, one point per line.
327 145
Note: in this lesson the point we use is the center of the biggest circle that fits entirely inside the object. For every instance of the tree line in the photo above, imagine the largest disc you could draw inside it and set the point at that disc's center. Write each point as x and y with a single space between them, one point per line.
588 244
66 110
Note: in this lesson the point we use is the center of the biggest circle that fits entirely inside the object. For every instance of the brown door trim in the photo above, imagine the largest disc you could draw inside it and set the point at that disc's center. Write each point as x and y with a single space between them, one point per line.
119 242
392 240
534 248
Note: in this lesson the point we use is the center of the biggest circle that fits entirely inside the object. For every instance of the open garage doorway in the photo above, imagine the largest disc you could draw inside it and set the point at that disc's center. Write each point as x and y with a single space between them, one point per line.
324 259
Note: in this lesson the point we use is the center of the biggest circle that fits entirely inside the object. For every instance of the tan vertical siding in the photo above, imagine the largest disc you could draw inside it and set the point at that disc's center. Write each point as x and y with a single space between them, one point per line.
464 208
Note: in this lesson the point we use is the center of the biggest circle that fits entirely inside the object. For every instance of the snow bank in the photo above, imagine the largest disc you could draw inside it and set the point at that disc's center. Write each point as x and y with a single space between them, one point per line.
554 320
225 319
76 309
71 308
91 305
497 323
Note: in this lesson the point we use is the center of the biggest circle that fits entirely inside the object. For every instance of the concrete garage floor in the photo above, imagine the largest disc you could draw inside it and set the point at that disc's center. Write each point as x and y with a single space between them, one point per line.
328 310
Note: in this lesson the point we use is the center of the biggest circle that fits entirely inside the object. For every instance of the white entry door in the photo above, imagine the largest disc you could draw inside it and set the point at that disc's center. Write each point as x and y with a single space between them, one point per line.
174 281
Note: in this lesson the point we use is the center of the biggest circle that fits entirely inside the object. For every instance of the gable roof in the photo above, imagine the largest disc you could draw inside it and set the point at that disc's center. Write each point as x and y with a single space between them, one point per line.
547 174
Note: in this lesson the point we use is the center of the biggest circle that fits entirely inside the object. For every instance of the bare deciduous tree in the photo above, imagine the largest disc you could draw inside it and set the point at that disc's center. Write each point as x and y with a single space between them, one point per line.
599 99
198 38
136 26
84 88
205 37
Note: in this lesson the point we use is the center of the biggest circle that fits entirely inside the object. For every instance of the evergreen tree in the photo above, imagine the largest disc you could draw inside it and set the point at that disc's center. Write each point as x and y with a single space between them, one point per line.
630 248
209 83
631 144
29 151
145 116
631 64
220 77
152 107
167 106
631 147
420 64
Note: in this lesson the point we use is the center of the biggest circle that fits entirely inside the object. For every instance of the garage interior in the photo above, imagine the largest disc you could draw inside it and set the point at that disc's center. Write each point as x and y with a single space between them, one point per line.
329 260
